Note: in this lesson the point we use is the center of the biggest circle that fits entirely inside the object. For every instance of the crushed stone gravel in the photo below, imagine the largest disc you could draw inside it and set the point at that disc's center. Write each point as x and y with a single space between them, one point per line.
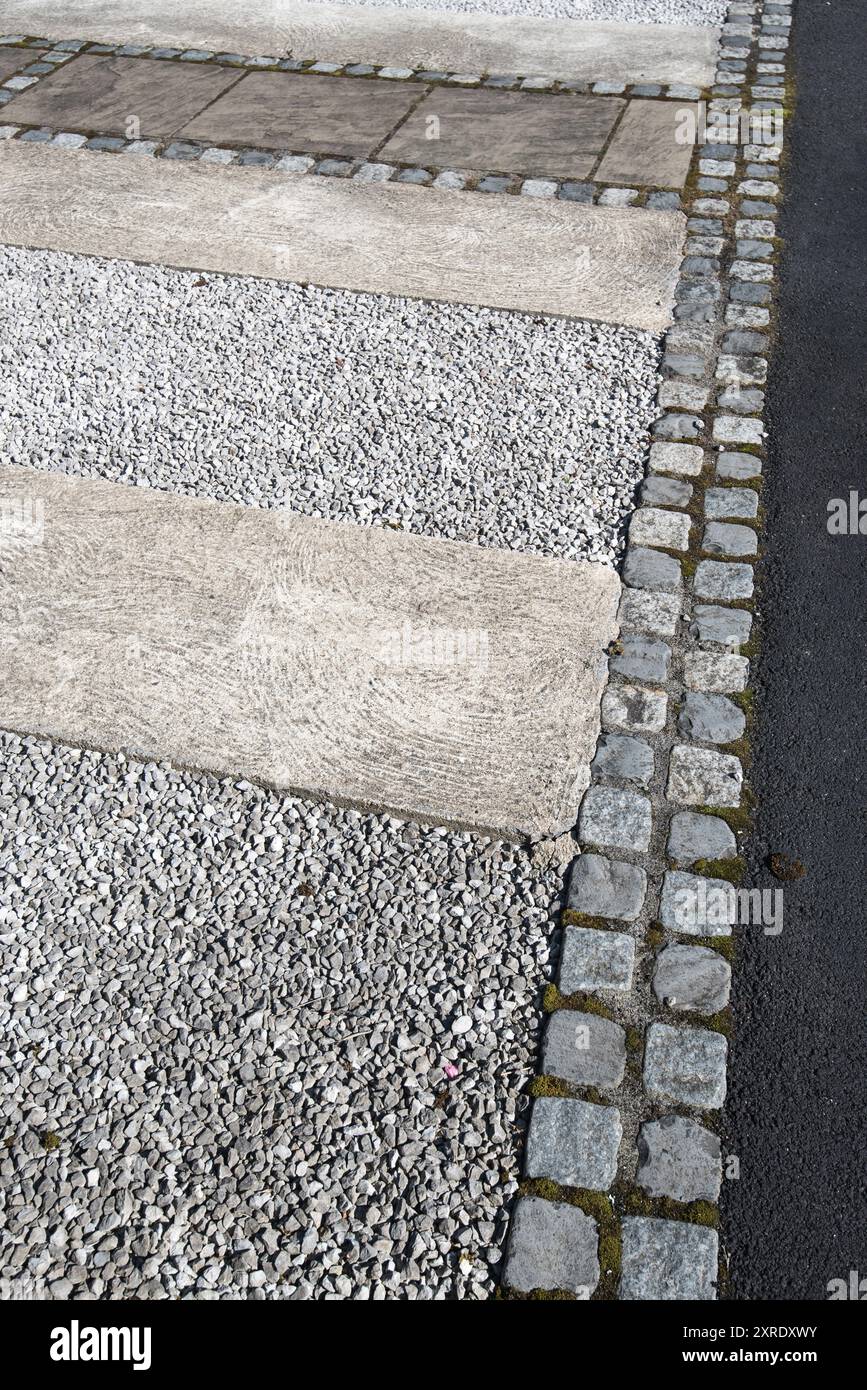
500 429
254 1047
703 12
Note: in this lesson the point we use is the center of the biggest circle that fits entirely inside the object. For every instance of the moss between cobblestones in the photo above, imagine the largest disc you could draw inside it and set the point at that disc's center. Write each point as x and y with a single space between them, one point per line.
570 918
634 1202
739 818
584 1003
655 937
730 869
724 945
722 1022
555 1087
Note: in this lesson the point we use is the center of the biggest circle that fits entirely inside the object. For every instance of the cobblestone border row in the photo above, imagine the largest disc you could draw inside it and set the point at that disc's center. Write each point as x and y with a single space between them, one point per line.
623 1163
359 170
266 63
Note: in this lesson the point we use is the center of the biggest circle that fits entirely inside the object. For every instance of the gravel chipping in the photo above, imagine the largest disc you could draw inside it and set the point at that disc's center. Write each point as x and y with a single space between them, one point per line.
704 12
497 428
255 1047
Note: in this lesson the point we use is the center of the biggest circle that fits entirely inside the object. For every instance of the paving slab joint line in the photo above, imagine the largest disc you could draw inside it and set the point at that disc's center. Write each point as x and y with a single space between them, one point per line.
687 612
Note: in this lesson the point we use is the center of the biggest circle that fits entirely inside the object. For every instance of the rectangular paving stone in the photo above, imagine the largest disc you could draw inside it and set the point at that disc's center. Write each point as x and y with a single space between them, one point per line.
13 59
697 906
686 1066
290 110
552 1245
694 979
712 719
508 132
703 777
104 94
668 1260
433 39
456 684
584 1049
510 253
601 887
679 1158
593 959
624 759
645 149
615 818
573 1143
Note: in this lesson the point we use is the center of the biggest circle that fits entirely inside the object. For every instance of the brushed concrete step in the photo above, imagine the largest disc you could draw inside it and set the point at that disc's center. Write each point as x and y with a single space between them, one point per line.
617 265
434 39
451 683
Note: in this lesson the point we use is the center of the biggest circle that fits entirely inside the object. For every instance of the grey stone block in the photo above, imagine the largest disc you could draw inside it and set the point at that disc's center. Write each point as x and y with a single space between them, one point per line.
736 429
730 627
576 192
715 671
724 538
686 1066
737 465
668 1260
703 777
601 887
642 659
741 340
685 363
721 502
692 837
552 1245
593 959
584 1049
649 612
681 426
711 718
718 580
651 569
657 491
684 459
683 395
693 978
615 818
630 709
656 527
624 759
573 1143
680 1159
696 905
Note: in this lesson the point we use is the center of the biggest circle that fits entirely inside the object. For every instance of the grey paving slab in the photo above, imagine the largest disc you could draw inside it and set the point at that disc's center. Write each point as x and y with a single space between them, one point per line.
505 252
512 132
284 110
106 94
12 59
645 149
432 39
452 683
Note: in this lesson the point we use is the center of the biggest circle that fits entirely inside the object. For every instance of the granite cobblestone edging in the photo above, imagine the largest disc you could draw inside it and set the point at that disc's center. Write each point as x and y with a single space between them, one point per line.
636 1041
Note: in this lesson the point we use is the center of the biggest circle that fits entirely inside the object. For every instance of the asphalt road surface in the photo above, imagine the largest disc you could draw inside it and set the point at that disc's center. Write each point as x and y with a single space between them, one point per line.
797 1111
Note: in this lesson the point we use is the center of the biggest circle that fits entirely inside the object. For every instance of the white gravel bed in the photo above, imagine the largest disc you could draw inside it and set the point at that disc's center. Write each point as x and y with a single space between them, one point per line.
497 428
704 12
254 1047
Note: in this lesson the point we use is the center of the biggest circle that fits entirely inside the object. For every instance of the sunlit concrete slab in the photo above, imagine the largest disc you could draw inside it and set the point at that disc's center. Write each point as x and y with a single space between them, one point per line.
442 40
455 684
610 264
